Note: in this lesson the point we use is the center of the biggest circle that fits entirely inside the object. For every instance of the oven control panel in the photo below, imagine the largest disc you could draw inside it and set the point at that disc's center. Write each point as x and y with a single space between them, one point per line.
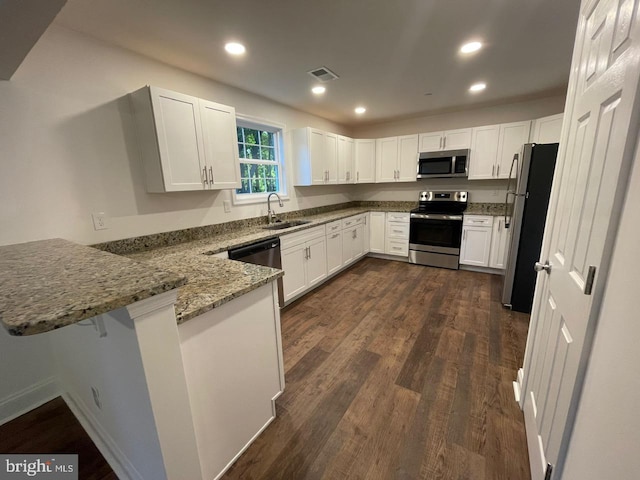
448 196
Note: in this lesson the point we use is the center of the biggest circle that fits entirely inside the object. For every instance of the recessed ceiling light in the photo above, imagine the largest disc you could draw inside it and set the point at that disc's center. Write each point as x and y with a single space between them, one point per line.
471 47
319 90
235 48
477 87
360 110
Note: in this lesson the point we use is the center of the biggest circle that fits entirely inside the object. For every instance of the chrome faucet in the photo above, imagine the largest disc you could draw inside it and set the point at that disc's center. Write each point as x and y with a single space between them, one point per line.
271 215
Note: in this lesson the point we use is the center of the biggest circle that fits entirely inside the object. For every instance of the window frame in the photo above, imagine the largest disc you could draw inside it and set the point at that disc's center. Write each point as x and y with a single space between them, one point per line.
246 121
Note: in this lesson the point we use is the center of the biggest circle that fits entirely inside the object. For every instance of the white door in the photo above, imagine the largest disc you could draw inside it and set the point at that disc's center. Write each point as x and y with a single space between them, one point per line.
457 139
347 246
407 158
358 241
220 144
179 133
484 152
475 246
512 137
294 264
316 261
331 156
365 153
598 137
334 252
386 159
377 221
431 142
317 157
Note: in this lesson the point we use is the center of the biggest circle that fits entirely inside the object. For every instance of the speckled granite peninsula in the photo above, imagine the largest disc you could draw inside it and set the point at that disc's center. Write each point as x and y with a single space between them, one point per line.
48 284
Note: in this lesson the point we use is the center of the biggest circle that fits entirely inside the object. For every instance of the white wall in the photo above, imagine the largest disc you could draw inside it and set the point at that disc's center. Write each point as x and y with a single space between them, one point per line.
69 148
606 435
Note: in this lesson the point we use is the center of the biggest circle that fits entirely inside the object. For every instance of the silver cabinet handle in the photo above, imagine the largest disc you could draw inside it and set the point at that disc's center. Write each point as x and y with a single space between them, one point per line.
204 174
444 142
357 177
538 267
354 235
335 235
464 235
440 144
499 225
211 174
493 170
498 171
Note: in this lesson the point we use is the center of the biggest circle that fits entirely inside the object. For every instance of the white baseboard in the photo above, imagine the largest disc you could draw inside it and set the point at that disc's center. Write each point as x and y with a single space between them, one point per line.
116 459
27 399
492 271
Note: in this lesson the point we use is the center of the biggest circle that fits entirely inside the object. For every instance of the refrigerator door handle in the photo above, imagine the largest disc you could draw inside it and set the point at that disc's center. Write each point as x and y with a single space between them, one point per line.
514 162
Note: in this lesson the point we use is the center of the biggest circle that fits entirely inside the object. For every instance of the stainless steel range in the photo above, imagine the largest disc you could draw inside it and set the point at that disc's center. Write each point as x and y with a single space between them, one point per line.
435 230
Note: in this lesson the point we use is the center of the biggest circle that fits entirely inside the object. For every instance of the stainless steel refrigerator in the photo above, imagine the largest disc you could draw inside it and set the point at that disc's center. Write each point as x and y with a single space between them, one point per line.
525 214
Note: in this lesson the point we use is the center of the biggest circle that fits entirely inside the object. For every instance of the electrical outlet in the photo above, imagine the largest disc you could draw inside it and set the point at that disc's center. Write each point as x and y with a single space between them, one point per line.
227 206
96 397
99 221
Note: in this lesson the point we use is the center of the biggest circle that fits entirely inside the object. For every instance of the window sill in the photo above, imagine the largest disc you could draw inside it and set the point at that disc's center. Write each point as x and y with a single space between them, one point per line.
255 199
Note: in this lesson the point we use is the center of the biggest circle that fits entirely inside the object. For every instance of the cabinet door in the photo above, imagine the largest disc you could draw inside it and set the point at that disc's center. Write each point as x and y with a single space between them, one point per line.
358 242
499 244
547 129
398 247
345 159
331 156
512 137
316 261
366 232
476 243
365 168
377 223
220 144
334 252
484 152
386 159
317 156
294 263
179 131
347 246
431 142
407 158
457 139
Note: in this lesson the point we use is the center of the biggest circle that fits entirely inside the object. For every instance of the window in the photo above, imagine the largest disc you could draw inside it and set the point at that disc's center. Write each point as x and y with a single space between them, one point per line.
261 172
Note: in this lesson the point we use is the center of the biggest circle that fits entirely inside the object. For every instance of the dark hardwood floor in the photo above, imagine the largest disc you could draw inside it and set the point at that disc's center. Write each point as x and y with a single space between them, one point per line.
393 371
396 371
52 428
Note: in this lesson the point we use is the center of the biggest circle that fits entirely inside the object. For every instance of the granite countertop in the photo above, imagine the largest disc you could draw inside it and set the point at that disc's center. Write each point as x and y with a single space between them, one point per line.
493 209
48 284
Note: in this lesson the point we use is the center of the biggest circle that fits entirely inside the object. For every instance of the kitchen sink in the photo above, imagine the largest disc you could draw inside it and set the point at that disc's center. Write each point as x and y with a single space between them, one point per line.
283 225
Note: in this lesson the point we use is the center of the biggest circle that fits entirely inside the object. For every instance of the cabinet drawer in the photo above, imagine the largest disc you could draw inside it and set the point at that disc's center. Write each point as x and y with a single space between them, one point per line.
397 247
398 230
478 220
334 227
401 217
352 221
296 238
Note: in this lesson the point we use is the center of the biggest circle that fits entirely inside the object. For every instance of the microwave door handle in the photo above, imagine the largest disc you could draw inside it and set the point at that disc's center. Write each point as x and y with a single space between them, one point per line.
453 164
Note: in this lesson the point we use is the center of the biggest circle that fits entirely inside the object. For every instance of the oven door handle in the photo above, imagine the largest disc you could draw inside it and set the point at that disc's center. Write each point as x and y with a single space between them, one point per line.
435 216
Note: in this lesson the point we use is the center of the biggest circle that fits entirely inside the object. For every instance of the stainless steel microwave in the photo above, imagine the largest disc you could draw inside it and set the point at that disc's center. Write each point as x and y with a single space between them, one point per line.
450 163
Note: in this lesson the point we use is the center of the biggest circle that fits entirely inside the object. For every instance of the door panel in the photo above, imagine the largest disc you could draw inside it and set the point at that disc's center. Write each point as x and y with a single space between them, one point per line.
220 146
316 153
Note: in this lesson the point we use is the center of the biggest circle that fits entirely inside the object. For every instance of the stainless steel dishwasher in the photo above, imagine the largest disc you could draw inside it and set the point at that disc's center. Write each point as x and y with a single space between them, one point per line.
265 253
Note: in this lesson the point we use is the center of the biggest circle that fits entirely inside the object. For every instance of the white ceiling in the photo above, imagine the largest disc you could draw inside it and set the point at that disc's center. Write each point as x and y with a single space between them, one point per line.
388 54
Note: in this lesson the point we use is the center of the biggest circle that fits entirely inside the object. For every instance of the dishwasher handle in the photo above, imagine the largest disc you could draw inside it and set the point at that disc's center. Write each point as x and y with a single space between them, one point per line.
242 252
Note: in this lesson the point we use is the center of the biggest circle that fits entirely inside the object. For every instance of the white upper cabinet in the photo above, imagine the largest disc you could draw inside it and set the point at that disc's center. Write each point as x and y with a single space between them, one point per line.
220 145
448 140
186 143
396 159
493 148
315 154
547 129
346 153
365 161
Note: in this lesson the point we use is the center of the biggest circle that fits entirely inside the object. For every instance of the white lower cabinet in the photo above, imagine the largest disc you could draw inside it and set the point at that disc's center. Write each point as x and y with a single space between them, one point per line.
499 244
377 221
476 240
334 252
352 244
304 260
397 234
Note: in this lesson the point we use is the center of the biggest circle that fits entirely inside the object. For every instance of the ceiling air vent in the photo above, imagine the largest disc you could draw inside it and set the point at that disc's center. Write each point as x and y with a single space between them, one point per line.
323 74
